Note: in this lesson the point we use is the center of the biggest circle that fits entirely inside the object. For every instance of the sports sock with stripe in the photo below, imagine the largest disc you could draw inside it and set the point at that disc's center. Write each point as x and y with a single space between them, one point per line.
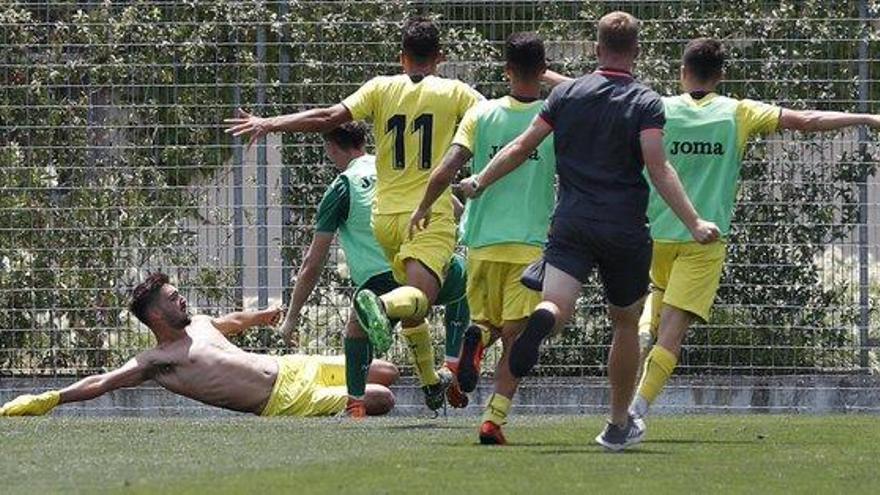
496 409
357 365
658 368
418 339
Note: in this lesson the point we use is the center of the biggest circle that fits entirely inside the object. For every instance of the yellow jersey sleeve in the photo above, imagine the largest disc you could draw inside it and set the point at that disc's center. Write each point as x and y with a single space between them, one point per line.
363 103
468 97
755 118
467 130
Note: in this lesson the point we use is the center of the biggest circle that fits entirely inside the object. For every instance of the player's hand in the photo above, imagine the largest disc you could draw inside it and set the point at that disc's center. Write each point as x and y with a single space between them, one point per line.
705 232
245 123
419 221
270 317
469 187
31 405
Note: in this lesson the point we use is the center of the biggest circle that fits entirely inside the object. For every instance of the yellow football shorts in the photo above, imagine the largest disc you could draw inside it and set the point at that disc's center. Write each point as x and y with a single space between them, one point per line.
308 386
495 293
684 275
432 247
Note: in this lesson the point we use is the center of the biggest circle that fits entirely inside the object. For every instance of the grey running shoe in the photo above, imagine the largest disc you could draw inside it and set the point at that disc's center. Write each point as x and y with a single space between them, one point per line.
435 395
616 438
371 315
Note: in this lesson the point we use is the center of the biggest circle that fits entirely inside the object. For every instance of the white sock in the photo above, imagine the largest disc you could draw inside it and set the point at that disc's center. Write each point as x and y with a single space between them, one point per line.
639 407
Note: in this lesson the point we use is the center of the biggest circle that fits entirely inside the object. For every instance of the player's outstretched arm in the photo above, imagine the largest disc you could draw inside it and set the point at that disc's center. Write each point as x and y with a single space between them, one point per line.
817 120
508 159
553 78
665 179
234 323
131 374
455 158
306 280
315 120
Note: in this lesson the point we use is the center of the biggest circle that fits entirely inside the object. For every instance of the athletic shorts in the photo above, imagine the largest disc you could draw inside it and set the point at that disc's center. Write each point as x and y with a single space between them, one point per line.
433 247
495 294
621 253
686 275
308 386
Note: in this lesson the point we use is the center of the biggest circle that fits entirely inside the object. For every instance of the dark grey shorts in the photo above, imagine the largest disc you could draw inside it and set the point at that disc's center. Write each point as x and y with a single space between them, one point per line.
622 253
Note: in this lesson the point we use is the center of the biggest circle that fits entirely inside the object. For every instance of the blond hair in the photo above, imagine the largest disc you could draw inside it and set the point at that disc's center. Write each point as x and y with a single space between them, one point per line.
618 33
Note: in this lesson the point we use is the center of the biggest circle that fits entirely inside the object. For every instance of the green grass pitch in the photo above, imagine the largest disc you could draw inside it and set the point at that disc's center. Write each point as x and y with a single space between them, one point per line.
549 454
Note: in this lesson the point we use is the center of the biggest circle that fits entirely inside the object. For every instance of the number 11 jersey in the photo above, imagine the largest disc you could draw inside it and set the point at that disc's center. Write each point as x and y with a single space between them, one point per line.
414 120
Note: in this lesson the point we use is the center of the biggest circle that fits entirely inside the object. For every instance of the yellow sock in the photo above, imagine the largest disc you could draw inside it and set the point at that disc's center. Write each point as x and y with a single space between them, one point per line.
658 367
405 303
496 409
419 340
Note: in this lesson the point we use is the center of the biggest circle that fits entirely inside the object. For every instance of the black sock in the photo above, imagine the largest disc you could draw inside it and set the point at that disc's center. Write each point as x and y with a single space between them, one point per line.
541 323
525 351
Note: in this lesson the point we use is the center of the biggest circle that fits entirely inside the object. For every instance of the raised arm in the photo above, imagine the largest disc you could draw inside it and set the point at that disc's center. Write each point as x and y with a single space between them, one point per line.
131 374
508 159
553 78
315 120
665 179
306 280
455 158
237 322
818 120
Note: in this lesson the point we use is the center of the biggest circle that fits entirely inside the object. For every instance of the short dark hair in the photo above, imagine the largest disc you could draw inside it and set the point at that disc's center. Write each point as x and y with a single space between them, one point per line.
144 295
525 55
421 38
618 32
348 136
704 58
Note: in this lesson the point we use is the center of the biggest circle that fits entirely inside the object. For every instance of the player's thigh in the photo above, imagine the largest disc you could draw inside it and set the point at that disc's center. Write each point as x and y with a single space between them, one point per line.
562 290
432 247
695 277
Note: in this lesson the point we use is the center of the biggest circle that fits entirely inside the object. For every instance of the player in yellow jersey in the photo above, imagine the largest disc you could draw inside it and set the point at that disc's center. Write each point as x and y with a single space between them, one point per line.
414 116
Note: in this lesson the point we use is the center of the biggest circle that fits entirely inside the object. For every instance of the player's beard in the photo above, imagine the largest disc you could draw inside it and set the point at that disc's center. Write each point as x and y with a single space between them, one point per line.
180 321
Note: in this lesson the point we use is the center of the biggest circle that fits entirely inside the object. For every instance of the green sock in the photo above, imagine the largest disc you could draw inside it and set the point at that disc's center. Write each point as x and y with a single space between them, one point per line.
357 365
457 317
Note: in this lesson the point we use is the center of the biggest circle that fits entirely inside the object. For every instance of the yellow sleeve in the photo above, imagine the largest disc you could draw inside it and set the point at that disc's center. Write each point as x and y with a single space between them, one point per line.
468 97
363 103
467 130
755 118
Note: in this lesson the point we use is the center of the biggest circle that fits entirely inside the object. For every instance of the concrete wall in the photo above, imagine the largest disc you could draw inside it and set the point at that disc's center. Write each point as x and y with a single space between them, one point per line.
729 394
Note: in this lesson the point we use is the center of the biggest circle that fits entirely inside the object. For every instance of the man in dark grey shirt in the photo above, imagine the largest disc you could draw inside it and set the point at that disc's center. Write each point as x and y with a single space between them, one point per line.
607 127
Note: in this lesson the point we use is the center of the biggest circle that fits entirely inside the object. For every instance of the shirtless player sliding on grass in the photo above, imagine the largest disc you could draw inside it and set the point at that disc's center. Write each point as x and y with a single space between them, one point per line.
194 358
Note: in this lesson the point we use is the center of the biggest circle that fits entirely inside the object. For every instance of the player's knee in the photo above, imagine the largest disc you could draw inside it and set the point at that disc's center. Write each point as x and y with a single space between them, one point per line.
379 400
383 373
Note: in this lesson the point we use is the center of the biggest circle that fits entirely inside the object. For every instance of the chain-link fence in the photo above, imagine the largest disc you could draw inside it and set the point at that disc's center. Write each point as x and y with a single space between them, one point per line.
113 163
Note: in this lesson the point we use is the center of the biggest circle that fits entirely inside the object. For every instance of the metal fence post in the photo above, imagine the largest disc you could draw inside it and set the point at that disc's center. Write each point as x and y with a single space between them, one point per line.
237 212
864 279
262 230
286 213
